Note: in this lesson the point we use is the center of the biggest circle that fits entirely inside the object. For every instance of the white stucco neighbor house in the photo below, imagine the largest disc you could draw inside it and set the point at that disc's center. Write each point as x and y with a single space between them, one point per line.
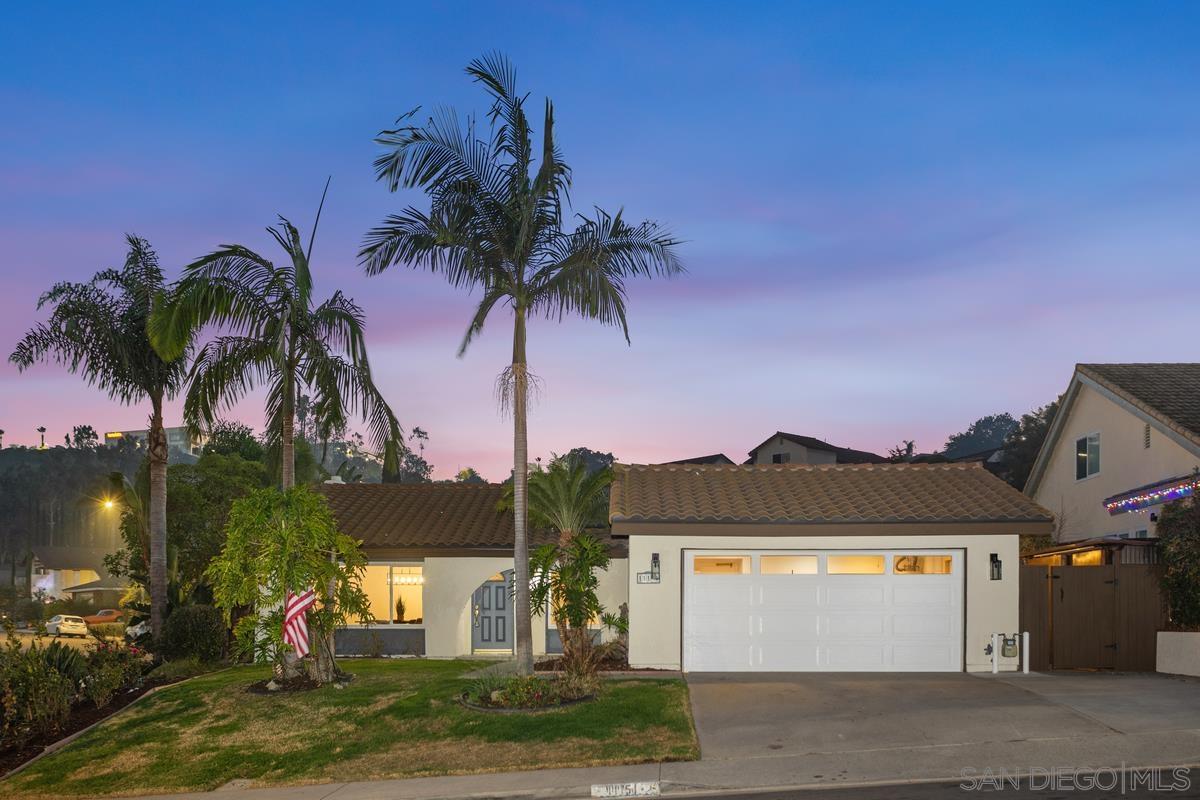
440 570
801 567
58 568
1126 439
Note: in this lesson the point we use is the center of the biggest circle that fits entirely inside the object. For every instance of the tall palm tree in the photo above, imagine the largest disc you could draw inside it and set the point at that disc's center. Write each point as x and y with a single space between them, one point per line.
99 329
275 337
496 224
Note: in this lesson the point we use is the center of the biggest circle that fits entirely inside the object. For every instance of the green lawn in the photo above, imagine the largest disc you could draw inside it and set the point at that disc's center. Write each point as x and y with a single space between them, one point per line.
396 719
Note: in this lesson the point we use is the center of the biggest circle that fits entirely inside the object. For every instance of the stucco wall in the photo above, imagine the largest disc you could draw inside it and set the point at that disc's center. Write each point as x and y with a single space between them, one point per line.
1178 653
1125 463
655 621
799 453
450 582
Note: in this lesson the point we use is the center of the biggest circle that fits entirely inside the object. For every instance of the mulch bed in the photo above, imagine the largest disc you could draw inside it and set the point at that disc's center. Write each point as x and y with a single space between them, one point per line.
607 665
465 700
83 714
302 683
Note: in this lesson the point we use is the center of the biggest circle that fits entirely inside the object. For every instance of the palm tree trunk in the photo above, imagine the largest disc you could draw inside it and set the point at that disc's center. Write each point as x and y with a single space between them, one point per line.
522 621
287 440
157 457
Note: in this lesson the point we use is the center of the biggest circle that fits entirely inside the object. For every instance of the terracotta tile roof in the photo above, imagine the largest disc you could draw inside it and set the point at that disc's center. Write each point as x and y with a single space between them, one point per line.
433 517
808 493
1167 392
421 515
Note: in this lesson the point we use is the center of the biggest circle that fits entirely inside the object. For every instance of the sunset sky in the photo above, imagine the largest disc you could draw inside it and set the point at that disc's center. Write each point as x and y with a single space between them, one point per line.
898 217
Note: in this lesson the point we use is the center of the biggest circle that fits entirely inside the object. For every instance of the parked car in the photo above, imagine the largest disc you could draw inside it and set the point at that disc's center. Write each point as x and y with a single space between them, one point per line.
66 625
137 631
104 616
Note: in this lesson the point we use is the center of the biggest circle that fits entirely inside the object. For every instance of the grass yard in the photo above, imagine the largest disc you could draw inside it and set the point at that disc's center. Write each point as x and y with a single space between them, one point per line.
396 719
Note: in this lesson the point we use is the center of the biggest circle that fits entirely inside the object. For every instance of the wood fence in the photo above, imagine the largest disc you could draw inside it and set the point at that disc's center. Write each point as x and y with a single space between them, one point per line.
1102 617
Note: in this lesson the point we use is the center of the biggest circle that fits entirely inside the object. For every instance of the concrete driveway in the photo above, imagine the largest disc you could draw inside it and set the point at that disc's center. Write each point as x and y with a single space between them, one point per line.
802 728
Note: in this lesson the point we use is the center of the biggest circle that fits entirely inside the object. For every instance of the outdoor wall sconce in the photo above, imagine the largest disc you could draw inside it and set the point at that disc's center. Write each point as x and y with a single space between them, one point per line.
654 574
997 567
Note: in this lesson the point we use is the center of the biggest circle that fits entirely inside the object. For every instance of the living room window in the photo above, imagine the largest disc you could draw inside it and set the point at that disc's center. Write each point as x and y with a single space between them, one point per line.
396 592
1087 456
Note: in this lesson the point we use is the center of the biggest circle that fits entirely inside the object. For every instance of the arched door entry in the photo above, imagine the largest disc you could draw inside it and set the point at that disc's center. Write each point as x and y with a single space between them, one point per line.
492 614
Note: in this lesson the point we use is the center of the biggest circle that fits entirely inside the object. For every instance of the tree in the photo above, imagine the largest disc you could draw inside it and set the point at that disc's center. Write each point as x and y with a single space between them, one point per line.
593 460
568 499
199 498
287 541
469 475
1179 544
99 329
1025 441
83 437
234 438
410 465
983 434
277 339
495 224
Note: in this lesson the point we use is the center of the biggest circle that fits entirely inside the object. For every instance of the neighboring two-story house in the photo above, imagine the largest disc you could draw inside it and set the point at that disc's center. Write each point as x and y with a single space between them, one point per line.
791 448
1126 440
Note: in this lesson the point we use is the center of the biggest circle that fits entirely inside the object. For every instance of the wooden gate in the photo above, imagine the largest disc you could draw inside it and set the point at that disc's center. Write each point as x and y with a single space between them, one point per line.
1102 617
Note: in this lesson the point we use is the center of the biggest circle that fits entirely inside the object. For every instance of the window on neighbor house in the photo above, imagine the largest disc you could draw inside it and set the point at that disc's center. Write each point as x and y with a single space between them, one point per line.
1088 558
396 593
781 458
1087 456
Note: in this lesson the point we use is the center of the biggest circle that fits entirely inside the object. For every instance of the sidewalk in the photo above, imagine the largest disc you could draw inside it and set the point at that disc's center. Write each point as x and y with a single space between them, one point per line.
829 769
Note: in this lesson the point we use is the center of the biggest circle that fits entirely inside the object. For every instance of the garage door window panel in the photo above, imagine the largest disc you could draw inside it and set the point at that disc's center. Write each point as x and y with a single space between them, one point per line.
855 564
721 565
922 565
788 565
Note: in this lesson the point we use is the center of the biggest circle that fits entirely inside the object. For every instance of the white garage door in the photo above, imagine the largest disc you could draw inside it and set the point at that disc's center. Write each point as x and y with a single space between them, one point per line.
860 610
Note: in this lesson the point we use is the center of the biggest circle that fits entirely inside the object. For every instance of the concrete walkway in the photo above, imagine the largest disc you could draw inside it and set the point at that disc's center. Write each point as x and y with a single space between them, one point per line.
777 731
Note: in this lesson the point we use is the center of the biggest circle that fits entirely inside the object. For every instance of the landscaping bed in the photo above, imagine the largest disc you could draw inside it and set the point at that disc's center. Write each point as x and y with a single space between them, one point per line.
398 718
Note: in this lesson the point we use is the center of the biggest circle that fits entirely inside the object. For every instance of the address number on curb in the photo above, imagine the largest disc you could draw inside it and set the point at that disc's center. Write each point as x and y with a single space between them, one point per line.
639 789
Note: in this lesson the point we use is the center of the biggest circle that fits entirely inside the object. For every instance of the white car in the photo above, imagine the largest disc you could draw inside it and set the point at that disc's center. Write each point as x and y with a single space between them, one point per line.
66 625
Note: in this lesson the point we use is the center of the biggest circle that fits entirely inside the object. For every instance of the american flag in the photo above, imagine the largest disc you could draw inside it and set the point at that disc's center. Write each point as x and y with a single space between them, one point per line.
295 621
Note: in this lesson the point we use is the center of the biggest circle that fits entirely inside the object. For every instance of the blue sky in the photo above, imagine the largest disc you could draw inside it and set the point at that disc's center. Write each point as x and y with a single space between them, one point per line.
898 219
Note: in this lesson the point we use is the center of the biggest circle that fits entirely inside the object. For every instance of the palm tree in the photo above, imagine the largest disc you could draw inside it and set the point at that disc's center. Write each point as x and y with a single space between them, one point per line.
496 225
99 330
277 338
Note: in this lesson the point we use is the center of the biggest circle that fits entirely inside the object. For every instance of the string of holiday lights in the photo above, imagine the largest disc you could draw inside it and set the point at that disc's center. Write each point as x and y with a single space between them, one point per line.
1152 497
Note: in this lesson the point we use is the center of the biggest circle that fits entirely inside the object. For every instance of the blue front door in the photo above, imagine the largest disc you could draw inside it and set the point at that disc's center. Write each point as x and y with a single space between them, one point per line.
492 614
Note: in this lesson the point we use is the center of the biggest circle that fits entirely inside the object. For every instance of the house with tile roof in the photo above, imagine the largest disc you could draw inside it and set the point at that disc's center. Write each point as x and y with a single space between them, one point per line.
440 569
824 568
1126 440
792 448
787 567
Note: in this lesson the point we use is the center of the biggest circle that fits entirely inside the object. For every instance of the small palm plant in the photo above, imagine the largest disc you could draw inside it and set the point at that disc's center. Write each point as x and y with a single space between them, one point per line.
567 498
495 224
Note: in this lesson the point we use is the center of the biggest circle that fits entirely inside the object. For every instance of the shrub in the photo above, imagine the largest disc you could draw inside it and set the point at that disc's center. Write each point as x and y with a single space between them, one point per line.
35 698
529 691
1179 545
108 630
66 660
194 632
102 682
